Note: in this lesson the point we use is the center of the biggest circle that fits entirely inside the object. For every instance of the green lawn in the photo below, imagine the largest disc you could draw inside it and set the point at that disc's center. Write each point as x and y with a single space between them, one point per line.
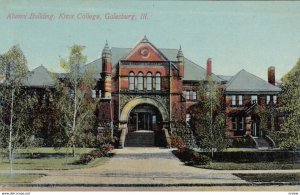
50 150
249 166
270 177
19 178
49 163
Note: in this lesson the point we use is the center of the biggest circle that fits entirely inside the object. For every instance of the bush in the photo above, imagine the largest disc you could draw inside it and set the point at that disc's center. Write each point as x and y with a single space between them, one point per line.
177 142
243 142
192 157
98 153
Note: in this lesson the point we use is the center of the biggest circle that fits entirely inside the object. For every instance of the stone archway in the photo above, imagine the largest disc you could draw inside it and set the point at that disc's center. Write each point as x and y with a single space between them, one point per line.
142 100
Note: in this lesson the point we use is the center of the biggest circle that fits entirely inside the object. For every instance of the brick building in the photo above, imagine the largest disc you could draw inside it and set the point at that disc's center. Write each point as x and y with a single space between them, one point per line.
145 89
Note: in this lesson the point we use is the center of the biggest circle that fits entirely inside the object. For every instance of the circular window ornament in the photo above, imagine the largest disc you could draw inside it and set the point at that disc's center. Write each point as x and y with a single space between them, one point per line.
145 52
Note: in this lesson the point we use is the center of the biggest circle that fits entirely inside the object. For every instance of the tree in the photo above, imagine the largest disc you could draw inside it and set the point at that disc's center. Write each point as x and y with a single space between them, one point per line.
15 104
75 102
290 136
208 118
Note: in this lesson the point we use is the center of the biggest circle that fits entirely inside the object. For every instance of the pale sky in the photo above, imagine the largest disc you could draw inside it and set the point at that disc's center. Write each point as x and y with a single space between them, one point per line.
236 35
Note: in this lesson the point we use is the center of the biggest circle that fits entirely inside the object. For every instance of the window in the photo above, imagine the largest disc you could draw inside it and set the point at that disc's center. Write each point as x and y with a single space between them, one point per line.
194 95
140 81
187 95
153 119
242 123
157 81
234 123
93 93
131 81
275 99
233 100
188 120
240 100
268 99
149 81
254 99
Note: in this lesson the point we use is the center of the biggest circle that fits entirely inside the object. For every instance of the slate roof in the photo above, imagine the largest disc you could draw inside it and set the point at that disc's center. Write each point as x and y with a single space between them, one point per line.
247 83
39 77
192 71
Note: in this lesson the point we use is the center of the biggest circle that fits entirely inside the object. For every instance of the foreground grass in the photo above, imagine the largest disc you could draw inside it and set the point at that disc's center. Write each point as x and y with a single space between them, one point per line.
50 150
270 177
19 178
248 166
49 163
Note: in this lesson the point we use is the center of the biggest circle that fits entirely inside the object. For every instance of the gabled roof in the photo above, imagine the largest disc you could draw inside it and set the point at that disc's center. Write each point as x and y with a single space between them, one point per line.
192 71
39 77
247 83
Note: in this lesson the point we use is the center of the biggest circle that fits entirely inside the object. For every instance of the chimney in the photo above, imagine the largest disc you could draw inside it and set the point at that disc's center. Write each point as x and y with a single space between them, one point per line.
208 67
271 75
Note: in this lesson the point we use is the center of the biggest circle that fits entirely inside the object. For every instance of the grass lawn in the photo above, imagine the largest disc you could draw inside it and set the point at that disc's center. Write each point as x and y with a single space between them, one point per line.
248 166
49 164
60 162
270 177
19 178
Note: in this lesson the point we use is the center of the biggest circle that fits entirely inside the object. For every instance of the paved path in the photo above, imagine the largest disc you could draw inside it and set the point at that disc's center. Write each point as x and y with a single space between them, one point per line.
139 166
144 166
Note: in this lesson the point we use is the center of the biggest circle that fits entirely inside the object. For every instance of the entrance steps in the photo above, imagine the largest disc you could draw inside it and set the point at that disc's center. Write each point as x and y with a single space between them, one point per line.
142 138
261 143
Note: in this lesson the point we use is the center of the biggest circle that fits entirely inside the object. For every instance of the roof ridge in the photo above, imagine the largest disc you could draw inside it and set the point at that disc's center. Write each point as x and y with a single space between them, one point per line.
234 77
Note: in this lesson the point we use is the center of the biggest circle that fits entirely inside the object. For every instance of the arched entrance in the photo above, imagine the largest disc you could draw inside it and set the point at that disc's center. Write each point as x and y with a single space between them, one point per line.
144 117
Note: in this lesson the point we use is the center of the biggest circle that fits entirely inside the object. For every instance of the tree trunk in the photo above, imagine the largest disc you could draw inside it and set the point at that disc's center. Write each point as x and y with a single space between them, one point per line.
74 114
10 132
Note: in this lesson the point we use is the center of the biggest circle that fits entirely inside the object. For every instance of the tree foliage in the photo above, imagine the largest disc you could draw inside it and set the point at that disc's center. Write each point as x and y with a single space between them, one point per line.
208 118
290 137
16 102
75 100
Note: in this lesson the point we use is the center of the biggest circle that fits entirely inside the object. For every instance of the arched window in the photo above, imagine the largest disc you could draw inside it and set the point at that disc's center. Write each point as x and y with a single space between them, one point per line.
140 81
149 81
157 81
131 81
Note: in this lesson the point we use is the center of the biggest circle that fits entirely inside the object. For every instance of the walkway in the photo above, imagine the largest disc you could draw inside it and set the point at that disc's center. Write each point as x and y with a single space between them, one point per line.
140 166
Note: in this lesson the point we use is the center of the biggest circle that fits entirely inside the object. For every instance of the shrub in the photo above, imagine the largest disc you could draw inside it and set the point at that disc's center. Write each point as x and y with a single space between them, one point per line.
177 142
192 157
103 151
244 142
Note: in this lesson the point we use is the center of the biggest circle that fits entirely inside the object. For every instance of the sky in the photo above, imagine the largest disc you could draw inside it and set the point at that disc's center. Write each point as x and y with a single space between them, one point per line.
236 35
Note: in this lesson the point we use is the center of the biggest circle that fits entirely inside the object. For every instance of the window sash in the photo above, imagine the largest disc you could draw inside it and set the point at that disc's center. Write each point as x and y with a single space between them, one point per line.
240 100
254 99
140 82
268 99
194 95
157 82
233 100
275 99
242 123
149 82
187 95
93 93
234 123
131 81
